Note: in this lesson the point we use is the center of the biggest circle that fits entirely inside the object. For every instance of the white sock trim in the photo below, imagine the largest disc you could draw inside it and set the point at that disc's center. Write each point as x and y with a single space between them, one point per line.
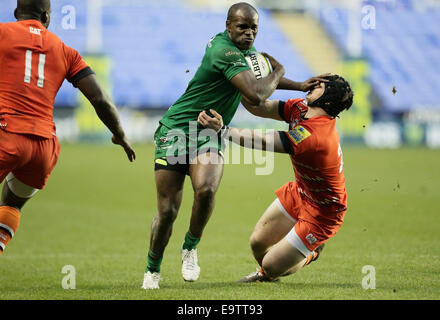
284 211
297 243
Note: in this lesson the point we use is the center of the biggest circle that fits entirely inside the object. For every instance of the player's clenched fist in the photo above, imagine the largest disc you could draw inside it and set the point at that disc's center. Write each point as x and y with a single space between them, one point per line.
215 123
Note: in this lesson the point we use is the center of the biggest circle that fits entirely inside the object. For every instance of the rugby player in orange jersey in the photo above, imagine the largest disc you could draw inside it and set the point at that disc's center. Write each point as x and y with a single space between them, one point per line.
33 64
309 211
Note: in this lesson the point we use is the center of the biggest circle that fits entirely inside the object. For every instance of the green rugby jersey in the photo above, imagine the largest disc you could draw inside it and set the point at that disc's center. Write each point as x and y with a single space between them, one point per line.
210 87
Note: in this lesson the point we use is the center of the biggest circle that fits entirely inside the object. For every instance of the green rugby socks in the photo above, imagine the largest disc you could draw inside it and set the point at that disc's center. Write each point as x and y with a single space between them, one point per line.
153 262
190 242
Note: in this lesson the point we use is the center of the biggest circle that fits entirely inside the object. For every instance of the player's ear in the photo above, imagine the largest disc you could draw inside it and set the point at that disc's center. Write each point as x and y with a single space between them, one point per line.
228 26
45 18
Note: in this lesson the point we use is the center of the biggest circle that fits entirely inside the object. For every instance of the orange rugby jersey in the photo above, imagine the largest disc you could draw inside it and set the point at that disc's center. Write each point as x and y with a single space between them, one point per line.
316 156
33 65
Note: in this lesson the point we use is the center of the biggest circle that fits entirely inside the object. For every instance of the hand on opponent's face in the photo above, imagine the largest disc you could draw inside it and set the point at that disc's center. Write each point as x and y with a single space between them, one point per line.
311 83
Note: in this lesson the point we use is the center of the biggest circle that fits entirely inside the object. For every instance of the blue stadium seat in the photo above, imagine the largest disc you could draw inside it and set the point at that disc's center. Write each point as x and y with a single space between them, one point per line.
403 50
156 48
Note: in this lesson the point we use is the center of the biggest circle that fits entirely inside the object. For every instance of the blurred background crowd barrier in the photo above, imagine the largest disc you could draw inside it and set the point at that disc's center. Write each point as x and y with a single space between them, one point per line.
146 52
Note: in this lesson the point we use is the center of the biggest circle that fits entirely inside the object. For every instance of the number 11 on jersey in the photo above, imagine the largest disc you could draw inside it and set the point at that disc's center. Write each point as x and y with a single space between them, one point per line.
28 68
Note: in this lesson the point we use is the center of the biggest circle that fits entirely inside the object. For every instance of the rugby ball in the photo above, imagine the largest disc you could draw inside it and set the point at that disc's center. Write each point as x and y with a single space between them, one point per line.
259 64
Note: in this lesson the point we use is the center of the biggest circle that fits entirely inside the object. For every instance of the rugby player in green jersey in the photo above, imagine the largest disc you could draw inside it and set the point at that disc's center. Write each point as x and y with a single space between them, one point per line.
220 82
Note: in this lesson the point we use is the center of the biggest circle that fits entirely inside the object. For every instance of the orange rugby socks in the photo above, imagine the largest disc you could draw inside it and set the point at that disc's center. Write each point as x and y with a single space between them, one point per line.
9 222
311 257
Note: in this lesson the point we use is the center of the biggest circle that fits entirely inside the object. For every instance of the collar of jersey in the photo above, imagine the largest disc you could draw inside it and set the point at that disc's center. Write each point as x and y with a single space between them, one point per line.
32 22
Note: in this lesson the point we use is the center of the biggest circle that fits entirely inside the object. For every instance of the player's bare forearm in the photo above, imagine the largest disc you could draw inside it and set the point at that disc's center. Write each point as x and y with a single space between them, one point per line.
248 138
266 109
102 103
106 111
267 85
287 84
256 139
257 91
108 114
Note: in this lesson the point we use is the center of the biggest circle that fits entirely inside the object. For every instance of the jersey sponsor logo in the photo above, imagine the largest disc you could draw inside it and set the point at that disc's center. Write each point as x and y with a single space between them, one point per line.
232 53
239 64
311 238
35 30
298 134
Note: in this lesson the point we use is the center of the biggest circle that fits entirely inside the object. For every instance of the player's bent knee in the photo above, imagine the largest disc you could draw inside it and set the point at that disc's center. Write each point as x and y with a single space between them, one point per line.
205 193
168 208
257 245
19 188
271 270
167 215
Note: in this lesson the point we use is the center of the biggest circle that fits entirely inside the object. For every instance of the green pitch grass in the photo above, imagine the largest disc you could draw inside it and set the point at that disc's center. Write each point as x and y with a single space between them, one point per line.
96 211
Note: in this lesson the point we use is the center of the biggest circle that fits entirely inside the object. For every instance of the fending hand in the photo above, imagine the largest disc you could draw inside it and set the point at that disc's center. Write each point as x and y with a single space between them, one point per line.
312 82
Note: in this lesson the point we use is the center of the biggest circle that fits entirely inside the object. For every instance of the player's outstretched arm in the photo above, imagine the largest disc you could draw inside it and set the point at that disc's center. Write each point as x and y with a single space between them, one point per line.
256 139
266 109
287 84
257 91
106 111
248 138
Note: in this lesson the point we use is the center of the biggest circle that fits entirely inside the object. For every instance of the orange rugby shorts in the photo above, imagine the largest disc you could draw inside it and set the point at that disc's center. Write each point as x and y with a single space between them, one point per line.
30 158
314 227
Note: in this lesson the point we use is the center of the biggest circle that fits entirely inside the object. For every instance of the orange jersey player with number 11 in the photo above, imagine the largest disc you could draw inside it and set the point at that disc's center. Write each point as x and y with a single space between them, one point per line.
310 210
33 64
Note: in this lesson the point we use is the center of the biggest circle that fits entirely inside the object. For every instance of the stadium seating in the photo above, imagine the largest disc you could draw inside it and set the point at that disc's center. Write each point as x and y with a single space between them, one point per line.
156 49
403 51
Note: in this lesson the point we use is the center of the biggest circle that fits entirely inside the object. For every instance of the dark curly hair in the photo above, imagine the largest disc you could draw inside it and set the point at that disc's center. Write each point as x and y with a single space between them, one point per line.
337 96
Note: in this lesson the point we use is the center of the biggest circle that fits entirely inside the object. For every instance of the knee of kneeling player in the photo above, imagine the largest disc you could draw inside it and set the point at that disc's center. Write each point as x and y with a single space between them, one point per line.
271 270
256 243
